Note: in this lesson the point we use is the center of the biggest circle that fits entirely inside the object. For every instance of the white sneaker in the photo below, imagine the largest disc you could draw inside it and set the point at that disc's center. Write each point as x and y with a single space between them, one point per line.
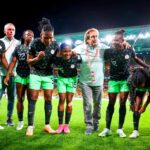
105 132
29 131
1 127
134 134
20 125
121 133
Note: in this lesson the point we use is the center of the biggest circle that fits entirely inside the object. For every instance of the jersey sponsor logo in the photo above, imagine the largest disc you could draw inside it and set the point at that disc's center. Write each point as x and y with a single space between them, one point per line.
127 56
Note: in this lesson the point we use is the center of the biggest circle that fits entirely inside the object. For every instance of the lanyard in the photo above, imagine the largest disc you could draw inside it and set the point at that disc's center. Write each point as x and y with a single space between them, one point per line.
88 56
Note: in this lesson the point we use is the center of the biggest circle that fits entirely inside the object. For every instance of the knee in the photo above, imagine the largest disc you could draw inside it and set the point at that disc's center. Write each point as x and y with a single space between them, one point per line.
61 106
21 99
122 103
49 97
69 105
33 96
61 101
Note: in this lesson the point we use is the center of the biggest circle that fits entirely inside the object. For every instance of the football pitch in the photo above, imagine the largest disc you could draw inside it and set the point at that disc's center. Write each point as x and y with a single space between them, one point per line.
11 139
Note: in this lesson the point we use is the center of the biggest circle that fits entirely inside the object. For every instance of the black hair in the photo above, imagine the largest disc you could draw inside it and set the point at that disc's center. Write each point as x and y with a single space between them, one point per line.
121 31
45 25
22 38
138 77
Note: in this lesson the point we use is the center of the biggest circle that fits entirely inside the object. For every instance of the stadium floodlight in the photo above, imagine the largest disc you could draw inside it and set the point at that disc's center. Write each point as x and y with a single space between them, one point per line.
59 43
130 37
68 41
78 42
147 35
144 35
141 36
108 38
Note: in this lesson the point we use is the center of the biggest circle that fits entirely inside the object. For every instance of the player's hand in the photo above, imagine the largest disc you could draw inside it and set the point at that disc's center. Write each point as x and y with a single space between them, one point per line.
55 71
126 45
74 53
142 109
58 54
132 108
41 54
6 80
12 74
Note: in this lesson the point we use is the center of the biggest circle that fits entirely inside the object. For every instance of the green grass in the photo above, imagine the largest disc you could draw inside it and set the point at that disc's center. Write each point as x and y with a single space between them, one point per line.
10 139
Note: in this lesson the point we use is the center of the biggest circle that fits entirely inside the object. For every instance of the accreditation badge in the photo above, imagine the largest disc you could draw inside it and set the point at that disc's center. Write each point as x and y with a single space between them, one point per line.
92 76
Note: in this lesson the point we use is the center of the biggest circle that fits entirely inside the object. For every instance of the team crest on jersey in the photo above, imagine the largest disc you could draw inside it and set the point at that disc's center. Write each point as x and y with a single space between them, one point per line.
114 63
72 66
52 51
127 56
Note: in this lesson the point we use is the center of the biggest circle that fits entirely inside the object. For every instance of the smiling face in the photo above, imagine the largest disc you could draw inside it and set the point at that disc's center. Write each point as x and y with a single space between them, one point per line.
66 52
92 37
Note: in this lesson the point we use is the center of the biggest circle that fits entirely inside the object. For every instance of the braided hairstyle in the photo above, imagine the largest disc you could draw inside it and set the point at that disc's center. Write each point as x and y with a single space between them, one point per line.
135 80
45 25
139 77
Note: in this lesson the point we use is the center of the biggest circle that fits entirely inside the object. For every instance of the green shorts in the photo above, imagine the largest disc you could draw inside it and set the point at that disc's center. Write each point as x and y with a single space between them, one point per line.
67 84
45 82
0 82
143 89
21 80
117 86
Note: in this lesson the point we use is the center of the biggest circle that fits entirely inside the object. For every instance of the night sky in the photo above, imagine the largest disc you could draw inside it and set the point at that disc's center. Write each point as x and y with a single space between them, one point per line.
75 15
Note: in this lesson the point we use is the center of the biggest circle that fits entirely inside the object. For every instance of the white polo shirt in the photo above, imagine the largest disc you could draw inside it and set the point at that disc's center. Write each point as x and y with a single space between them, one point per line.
10 47
91 63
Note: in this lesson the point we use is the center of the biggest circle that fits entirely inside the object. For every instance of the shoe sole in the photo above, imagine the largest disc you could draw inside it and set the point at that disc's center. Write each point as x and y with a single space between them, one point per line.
50 132
59 132
134 137
108 134
19 129
66 132
29 134
121 136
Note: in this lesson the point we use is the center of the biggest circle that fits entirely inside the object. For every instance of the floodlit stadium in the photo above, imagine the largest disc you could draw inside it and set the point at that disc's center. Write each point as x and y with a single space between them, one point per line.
137 36
12 139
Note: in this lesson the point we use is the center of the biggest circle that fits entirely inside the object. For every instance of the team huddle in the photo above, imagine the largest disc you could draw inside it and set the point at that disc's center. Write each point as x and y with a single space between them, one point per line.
30 65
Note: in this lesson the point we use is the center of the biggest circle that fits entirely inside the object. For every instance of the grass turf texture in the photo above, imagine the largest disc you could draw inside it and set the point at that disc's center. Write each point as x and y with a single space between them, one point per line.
11 139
